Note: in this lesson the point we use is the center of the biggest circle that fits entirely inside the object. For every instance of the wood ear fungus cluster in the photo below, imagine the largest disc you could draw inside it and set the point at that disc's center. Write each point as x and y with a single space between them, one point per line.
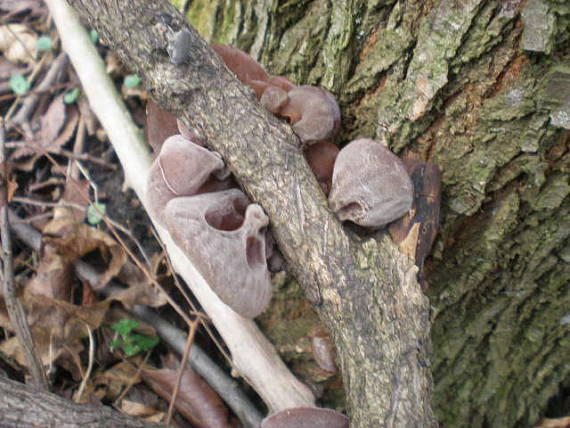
215 224
306 417
312 112
190 193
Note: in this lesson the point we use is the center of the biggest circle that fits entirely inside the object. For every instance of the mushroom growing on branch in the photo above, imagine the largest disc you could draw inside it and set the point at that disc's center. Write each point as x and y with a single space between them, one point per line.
370 185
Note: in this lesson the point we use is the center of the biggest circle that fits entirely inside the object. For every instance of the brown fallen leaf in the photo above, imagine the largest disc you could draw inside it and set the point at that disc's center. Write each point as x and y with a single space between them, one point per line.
57 327
73 240
18 43
196 400
140 289
77 193
141 411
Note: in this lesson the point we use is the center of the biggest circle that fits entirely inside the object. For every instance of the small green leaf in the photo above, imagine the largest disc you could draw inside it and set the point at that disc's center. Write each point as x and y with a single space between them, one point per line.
94 36
19 84
44 43
125 326
146 343
132 81
115 343
131 349
71 96
95 213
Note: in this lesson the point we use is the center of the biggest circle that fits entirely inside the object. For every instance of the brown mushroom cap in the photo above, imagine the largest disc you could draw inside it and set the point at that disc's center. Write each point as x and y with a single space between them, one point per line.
321 157
181 168
225 238
281 82
306 417
274 99
371 186
313 113
160 125
244 66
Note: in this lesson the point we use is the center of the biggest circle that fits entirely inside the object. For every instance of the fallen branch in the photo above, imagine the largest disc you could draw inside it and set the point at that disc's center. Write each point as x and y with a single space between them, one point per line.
24 407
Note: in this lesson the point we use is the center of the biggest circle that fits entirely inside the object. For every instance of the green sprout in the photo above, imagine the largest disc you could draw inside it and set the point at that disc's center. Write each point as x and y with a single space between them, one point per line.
132 343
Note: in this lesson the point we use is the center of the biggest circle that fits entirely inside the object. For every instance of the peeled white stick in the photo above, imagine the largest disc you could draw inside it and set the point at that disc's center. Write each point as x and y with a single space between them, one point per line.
253 355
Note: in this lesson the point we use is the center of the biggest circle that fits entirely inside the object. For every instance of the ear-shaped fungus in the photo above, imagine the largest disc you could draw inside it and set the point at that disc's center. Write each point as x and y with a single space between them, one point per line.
215 226
181 169
379 193
313 113
244 66
306 417
321 157
160 125
416 231
224 236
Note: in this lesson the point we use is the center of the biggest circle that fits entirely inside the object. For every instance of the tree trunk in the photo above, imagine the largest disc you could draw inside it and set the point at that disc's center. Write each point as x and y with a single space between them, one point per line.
478 88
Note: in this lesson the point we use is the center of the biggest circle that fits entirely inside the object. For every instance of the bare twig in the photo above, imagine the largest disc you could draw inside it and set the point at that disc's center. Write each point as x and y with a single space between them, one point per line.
62 152
15 310
89 365
185 355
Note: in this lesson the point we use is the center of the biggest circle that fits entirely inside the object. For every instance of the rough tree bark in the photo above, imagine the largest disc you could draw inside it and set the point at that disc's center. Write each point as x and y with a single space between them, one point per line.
22 406
480 87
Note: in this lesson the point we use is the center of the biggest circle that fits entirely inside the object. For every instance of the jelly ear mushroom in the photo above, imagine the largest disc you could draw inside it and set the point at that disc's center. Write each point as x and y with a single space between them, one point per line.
313 113
160 125
370 185
321 158
225 238
244 66
306 417
180 169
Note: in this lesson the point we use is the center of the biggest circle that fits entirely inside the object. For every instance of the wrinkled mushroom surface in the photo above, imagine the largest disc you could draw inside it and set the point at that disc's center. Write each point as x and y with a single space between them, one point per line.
213 224
370 185
306 417
244 66
313 113
321 158
225 237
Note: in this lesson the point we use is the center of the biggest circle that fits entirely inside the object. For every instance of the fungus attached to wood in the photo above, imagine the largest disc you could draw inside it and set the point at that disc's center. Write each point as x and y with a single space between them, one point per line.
312 112
245 67
215 226
225 236
321 158
370 185
306 417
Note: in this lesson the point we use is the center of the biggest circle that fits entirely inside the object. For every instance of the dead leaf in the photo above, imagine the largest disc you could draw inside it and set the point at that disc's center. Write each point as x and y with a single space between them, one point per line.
113 381
68 130
54 277
73 240
139 410
18 43
77 193
140 290
57 327
51 122
196 400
